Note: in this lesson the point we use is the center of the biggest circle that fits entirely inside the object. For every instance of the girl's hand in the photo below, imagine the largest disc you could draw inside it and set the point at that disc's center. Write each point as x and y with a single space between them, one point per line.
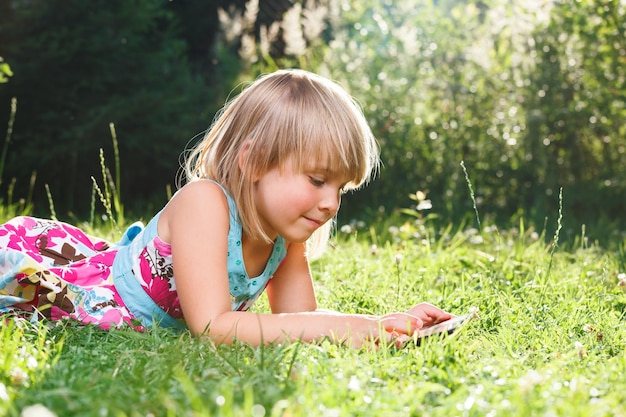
401 323
429 314
375 331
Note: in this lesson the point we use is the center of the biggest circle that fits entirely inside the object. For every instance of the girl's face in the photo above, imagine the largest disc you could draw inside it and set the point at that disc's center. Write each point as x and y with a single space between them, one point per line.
294 203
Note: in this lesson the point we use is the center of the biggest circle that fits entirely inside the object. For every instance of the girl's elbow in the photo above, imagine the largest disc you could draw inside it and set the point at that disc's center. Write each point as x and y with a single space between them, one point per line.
199 330
215 330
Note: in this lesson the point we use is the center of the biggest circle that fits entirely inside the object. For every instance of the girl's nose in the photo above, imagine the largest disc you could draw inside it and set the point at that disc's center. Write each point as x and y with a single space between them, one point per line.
331 200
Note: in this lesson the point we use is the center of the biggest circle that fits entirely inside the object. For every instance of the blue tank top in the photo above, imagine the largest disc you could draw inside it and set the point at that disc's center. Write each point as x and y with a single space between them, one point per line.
244 290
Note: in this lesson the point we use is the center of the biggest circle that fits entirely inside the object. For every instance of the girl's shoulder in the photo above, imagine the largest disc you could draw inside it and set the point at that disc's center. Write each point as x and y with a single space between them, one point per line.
196 201
200 188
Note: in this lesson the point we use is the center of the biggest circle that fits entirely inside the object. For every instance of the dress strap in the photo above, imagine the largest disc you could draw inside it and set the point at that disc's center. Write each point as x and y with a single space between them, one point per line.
232 208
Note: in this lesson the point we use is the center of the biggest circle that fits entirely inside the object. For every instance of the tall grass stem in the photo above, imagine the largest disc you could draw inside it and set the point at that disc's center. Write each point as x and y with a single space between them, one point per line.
555 244
106 202
7 138
471 190
557 232
53 214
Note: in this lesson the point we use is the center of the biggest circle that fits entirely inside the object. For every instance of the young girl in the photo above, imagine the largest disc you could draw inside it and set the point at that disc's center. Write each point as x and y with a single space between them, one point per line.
262 188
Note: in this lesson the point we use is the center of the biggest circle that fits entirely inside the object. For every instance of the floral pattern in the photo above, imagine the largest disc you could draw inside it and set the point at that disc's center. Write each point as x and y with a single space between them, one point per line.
56 271
53 270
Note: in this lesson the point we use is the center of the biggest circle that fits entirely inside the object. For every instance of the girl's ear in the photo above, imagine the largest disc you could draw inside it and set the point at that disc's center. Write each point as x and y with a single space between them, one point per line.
242 159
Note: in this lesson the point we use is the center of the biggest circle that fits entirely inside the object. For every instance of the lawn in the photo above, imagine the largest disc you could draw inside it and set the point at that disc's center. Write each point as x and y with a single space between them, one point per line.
549 341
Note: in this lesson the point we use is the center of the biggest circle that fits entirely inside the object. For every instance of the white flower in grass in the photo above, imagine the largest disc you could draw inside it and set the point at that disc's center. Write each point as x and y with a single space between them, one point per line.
354 384
346 228
424 205
37 410
530 380
621 279
18 376
588 328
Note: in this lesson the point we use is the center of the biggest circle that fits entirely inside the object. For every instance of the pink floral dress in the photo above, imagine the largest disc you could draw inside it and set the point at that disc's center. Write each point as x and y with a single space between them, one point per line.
57 271
53 270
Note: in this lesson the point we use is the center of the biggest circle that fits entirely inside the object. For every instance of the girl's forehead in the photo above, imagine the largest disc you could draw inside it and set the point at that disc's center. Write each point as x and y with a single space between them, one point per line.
322 160
327 168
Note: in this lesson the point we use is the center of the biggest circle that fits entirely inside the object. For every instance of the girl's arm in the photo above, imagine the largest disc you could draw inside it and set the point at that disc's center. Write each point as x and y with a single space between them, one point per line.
196 223
291 290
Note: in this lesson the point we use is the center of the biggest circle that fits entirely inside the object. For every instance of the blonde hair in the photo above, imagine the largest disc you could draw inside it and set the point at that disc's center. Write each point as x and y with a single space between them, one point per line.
285 114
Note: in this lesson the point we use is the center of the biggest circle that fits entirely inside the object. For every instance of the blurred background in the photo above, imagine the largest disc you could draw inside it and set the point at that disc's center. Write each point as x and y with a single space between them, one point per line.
519 98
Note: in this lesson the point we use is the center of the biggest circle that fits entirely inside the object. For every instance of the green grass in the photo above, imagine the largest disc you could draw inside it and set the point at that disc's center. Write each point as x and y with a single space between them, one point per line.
550 341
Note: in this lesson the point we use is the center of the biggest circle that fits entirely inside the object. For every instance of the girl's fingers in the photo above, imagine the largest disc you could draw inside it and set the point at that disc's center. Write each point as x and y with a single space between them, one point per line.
430 314
398 339
401 323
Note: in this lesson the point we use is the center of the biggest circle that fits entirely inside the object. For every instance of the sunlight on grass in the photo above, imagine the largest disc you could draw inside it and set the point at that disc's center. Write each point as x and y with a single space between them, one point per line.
540 347
27 354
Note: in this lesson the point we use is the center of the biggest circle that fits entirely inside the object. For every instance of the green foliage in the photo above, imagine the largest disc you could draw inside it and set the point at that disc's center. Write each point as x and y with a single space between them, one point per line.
576 106
8 207
5 71
529 95
80 66
27 353
550 341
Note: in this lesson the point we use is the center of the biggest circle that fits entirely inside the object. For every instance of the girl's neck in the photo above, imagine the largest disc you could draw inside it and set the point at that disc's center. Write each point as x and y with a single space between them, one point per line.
256 253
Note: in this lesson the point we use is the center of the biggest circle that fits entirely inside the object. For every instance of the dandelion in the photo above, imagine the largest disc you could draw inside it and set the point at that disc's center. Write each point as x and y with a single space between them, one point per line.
621 280
346 228
398 259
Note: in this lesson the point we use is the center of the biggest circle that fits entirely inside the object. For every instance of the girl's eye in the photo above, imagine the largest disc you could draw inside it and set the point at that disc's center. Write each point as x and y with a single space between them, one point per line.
316 181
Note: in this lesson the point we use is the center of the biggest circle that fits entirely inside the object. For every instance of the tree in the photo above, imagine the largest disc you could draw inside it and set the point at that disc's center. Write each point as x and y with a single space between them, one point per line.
81 65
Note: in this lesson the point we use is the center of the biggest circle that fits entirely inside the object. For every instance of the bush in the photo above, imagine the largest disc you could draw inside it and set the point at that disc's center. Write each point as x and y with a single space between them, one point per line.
528 95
